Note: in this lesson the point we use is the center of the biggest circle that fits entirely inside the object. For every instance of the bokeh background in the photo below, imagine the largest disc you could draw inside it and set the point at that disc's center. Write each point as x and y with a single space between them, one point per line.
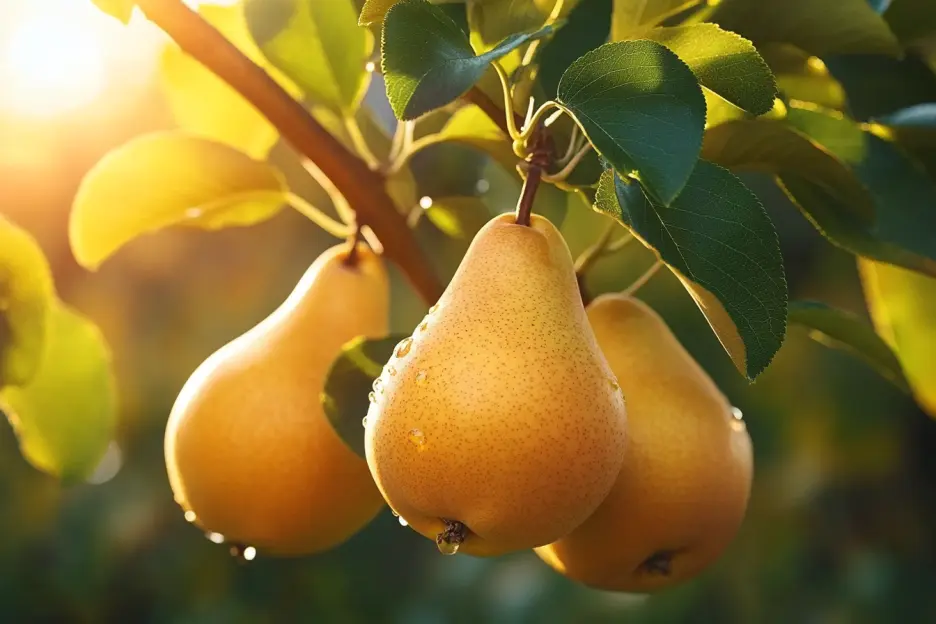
841 523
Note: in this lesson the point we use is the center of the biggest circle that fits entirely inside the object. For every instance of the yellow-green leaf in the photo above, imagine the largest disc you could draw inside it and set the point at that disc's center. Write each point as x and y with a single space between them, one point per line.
121 9
318 44
494 20
903 307
458 217
26 292
206 105
471 126
164 179
632 17
65 417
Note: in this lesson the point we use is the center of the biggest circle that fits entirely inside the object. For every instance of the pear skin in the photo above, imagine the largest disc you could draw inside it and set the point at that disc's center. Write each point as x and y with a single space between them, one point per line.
683 489
249 449
500 413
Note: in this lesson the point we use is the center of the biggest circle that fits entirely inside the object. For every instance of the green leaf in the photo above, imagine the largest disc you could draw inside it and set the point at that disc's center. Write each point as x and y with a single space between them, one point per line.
632 17
911 20
642 109
428 61
65 416
903 195
914 129
317 44
717 238
726 63
121 9
349 383
469 125
491 21
801 76
206 105
164 179
458 217
771 146
844 330
374 11
817 26
587 27
878 85
26 294
903 305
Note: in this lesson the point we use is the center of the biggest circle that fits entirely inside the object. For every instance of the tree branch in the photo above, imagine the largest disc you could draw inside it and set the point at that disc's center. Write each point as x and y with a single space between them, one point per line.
362 187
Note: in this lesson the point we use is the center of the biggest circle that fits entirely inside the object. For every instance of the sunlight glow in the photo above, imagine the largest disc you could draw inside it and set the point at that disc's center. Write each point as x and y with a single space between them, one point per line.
51 66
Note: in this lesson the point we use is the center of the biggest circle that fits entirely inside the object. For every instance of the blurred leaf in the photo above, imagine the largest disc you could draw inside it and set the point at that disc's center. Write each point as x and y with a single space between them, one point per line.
724 62
718 110
911 20
904 196
903 305
631 17
587 27
717 238
349 382
164 179
877 85
771 146
801 76
843 330
376 137
204 104
26 293
427 60
318 44
121 9
491 21
65 417
458 217
817 26
914 129
642 109
471 126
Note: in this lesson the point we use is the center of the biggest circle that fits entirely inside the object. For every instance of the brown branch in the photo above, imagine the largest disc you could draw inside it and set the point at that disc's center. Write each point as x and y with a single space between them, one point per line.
362 187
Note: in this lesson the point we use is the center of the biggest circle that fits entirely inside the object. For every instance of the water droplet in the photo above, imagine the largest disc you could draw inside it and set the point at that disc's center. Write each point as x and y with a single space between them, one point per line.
216 538
391 371
378 385
404 347
418 438
737 413
447 548
421 378
433 308
193 213
364 421
190 516
403 521
372 397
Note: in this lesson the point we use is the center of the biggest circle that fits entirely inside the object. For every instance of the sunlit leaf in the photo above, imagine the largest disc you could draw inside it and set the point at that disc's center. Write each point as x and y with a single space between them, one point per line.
642 109
206 105
492 21
717 238
632 17
121 9
65 416
903 305
817 26
26 293
801 76
349 382
844 330
458 217
469 125
318 44
724 62
428 61
165 179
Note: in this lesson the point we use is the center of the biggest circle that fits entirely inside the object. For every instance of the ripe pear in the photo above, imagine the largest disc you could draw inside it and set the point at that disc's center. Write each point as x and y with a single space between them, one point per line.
498 425
683 488
250 452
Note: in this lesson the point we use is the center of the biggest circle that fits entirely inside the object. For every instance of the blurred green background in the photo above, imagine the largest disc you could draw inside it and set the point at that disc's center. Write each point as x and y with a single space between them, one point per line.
840 527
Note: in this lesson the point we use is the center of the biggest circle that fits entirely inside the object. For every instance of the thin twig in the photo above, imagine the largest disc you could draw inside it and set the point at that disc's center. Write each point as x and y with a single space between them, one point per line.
360 143
643 279
363 188
564 173
319 218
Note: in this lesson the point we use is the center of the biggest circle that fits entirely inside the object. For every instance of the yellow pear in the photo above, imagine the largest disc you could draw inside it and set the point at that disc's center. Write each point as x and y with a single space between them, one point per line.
498 425
250 452
683 489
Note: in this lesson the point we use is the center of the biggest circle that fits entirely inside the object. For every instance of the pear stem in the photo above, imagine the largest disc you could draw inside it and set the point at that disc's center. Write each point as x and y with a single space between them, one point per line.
536 164
351 259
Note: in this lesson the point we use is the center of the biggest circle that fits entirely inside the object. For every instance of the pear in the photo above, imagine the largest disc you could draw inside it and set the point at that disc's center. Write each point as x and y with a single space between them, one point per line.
250 452
499 426
683 488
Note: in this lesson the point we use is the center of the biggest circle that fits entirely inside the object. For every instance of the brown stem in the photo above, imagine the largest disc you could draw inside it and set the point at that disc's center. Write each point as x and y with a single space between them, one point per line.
351 259
537 163
362 187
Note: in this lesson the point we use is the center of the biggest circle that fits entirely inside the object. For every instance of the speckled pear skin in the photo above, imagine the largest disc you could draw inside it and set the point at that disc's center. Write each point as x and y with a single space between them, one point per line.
686 478
501 412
